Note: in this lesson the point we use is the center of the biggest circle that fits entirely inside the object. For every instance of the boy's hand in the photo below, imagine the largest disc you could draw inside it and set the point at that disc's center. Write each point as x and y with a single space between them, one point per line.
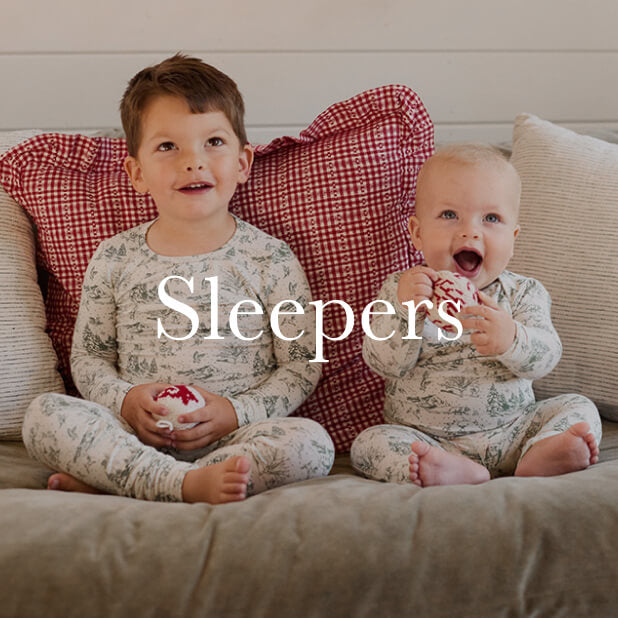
216 419
416 284
137 409
493 329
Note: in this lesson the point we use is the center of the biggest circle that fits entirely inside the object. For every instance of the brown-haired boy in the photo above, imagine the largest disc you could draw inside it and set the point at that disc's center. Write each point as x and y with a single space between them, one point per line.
188 149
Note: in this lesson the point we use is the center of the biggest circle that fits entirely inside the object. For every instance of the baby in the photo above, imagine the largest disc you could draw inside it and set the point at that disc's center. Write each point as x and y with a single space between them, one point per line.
463 411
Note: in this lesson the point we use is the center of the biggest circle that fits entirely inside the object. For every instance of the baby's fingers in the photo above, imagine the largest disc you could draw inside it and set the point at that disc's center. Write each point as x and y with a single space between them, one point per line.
473 324
425 270
488 300
476 311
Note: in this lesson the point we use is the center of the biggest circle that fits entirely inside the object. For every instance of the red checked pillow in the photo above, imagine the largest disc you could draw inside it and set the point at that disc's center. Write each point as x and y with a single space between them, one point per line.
340 195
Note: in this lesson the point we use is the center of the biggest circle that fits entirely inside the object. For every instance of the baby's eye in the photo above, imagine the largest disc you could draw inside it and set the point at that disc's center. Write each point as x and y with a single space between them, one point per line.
448 214
215 141
492 218
165 146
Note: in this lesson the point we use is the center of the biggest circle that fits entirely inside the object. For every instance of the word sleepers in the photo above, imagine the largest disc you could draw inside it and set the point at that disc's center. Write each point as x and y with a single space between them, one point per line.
251 307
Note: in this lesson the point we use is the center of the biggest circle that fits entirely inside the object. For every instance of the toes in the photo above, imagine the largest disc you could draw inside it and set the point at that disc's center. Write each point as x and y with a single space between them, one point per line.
420 448
593 447
580 429
236 489
235 478
242 464
53 482
413 468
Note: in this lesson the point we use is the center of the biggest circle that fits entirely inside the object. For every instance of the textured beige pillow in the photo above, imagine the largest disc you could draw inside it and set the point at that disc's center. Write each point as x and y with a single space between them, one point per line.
27 359
569 241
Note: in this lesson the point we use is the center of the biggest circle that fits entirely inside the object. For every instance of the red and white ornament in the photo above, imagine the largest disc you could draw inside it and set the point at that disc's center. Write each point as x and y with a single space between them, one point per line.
452 287
178 400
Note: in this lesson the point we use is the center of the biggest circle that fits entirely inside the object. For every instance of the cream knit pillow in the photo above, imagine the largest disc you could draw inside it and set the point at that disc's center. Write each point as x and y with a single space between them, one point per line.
27 359
569 241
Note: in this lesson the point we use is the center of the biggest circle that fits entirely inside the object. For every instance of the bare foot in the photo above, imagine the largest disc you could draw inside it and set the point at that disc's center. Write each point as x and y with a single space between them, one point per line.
430 465
571 450
225 481
66 482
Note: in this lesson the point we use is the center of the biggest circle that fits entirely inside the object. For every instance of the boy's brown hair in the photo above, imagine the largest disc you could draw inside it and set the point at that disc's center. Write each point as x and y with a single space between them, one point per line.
204 88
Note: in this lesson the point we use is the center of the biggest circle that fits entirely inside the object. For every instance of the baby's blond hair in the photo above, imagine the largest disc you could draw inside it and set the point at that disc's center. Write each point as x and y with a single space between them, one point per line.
468 153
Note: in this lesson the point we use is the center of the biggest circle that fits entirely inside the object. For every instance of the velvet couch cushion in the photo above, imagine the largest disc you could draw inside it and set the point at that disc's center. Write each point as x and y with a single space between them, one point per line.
339 546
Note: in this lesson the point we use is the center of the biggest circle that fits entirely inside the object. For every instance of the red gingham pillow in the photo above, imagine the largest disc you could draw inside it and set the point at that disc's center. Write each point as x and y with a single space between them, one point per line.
340 195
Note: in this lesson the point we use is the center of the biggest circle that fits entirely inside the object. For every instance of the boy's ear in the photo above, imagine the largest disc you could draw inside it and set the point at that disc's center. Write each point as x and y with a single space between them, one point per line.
245 161
414 227
134 171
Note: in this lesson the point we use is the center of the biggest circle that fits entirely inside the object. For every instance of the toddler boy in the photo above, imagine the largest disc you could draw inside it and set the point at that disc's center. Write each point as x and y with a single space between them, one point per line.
187 147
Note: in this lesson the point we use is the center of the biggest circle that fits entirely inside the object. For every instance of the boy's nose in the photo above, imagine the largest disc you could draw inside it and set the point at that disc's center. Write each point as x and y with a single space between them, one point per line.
192 166
192 161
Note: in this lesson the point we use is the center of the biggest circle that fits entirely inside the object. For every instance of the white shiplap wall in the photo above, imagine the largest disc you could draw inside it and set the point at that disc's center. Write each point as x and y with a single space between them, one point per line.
476 64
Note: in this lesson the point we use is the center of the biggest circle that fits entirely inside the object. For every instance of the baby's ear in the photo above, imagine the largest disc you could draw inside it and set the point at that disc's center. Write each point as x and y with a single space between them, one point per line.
134 171
414 227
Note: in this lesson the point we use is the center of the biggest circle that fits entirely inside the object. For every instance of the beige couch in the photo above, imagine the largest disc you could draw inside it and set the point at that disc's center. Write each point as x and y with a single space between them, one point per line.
343 545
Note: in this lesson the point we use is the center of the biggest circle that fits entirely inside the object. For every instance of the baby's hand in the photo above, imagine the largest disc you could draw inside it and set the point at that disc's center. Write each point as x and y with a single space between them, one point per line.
137 409
416 284
493 329
215 420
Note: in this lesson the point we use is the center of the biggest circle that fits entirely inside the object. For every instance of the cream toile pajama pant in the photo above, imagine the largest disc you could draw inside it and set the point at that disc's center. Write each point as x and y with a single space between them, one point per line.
87 441
381 452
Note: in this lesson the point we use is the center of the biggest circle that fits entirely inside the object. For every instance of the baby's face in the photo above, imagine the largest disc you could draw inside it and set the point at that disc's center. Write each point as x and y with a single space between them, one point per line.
466 219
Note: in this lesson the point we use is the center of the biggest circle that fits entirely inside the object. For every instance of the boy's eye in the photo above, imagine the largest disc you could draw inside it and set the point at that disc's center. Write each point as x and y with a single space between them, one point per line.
215 141
448 214
492 218
165 146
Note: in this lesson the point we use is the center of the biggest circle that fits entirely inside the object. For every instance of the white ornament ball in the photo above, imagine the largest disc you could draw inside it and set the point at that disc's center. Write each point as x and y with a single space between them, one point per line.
452 287
178 400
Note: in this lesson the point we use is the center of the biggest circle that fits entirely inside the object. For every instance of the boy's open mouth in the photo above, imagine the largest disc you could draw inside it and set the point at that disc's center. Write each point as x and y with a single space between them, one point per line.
195 187
468 262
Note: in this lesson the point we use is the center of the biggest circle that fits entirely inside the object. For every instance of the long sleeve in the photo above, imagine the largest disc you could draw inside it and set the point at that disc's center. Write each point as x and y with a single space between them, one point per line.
536 348
126 335
294 377
94 353
395 356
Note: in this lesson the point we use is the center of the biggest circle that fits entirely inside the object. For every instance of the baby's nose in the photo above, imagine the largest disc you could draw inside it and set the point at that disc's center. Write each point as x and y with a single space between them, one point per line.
469 231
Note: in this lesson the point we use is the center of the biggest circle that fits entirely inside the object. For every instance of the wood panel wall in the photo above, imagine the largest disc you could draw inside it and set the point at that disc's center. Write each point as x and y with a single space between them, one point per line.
475 64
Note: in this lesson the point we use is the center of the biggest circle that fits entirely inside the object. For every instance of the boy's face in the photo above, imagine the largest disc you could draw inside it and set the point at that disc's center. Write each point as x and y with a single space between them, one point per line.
466 219
190 163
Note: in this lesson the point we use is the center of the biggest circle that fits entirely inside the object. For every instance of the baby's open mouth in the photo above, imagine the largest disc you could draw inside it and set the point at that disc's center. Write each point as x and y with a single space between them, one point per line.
468 262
